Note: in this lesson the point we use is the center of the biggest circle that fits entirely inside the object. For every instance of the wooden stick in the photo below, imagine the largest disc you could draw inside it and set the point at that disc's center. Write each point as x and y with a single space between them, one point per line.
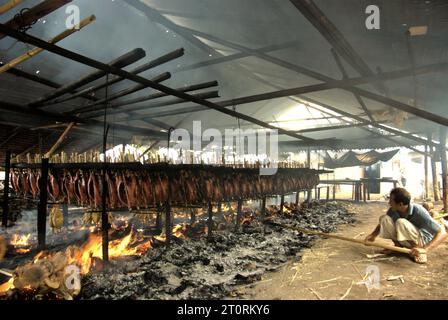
35 51
6 272
334 236
9 5
61 138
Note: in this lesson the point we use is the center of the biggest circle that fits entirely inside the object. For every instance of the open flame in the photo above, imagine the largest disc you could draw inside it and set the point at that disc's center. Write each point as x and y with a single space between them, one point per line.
21 243
84 255
20 240
178 231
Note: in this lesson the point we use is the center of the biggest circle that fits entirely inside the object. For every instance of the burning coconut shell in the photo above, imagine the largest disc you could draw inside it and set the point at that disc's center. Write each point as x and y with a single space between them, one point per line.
46 275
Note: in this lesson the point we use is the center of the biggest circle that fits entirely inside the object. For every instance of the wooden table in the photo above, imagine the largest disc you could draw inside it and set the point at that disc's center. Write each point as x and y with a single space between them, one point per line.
367 181
356 187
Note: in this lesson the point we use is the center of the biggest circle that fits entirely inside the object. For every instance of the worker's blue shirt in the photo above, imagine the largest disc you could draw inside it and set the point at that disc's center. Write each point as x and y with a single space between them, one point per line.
420 218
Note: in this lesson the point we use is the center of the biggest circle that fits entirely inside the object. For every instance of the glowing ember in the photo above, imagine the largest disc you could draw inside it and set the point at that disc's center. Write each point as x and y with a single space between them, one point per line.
178 231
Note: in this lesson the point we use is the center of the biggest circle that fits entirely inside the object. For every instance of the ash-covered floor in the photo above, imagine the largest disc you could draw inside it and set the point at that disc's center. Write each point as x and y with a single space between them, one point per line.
334 269
216 268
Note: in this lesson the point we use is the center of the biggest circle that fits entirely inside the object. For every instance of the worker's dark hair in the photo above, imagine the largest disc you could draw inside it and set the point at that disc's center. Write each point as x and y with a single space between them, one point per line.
401 195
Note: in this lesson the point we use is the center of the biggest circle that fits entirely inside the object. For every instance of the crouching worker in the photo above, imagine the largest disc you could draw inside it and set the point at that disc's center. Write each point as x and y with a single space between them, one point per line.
409 225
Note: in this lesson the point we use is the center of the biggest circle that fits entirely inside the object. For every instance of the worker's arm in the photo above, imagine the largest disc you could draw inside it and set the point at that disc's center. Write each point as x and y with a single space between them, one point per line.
371 237
440 236
438 239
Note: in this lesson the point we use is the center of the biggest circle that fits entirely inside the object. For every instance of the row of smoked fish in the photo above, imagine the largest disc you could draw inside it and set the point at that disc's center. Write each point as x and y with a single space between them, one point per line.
143 189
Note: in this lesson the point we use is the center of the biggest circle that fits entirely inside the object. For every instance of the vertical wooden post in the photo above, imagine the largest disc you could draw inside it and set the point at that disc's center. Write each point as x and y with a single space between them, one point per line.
426 171
297 198
308 196
238 215
328 193
104 216
65 214
318 193
193 216
444 168
435 179
263 206
282 202
159 219
42 208
5 214
308 158
210 220
168 222
334 191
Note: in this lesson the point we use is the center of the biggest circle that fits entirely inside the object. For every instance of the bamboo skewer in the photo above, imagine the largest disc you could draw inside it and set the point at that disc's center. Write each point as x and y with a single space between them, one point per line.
334 236
35 51
9 5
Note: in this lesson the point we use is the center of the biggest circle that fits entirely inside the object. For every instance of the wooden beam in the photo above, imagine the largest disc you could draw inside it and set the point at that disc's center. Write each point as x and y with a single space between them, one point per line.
114 107
345 85
147 66
122 61
9 5
41 10
59 141
98 105
113 70
345 77
50 116
33 52
334 37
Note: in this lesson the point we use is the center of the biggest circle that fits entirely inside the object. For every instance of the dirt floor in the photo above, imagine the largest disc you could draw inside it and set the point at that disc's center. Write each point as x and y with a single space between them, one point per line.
333 269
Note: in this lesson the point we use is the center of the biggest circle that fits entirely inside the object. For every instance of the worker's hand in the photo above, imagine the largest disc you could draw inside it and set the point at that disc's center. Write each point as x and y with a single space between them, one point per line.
415 252
370 238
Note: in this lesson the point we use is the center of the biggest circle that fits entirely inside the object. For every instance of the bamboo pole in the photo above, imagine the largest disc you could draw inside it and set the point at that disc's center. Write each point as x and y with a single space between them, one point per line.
59 141
334 236
9 5
35 51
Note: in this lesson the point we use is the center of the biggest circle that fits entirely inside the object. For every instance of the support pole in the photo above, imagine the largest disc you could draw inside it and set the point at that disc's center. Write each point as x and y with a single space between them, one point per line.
210 220
435 180
444 168
308 199
159 219
297 198
104 215
5 213
238 214
426 171
308 158
263 206
282 202
65 214
42 208
168 222
193 216
328 194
